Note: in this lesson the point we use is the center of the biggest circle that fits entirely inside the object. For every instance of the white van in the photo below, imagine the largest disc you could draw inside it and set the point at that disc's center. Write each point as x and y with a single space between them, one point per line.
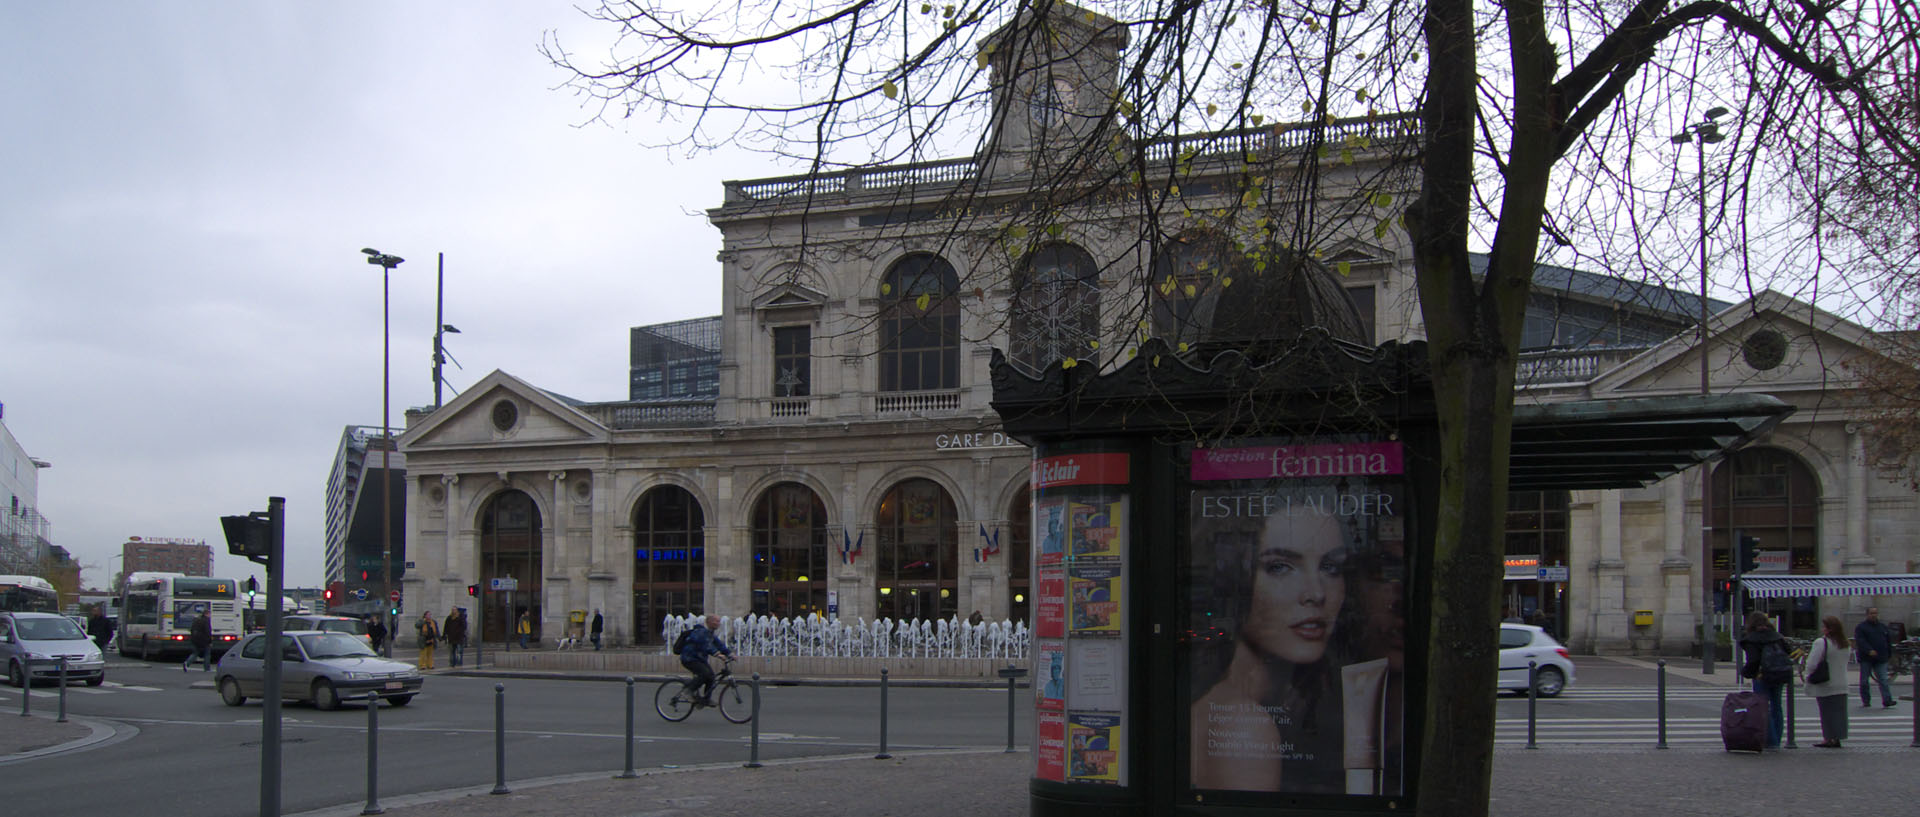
31 645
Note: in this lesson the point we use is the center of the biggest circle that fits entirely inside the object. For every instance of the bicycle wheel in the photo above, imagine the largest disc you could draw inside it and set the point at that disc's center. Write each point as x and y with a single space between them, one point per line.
673 702
735 706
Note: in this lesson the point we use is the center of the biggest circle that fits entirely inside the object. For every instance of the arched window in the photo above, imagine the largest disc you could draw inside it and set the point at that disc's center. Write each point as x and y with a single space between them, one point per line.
789 552
1187 276
1769 494
919 563
920 325
510 549
669 559
1056 307
1020 556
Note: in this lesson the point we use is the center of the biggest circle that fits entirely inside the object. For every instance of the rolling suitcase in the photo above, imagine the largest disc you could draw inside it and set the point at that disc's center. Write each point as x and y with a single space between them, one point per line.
1743 721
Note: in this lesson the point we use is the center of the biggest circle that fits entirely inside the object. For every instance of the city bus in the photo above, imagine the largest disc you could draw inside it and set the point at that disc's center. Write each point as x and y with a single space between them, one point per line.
27 594
157 612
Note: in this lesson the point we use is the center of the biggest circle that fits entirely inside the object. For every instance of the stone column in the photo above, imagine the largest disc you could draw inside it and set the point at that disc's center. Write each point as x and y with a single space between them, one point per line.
1858 558
1611 627
1675 616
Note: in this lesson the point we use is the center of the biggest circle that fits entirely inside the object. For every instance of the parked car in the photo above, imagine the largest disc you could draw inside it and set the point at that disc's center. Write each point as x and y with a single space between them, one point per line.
325 623
322 667
32 643
1521 643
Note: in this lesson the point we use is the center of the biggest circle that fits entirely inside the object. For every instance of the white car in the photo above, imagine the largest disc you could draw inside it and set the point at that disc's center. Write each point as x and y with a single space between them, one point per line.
32 643
1521 643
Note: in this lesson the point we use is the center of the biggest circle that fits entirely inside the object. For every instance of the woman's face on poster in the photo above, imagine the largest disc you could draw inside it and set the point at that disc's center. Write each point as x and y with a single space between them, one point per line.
1299 583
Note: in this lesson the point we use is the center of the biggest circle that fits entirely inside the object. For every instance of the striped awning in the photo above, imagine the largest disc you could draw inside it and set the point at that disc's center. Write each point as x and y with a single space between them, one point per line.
1865 584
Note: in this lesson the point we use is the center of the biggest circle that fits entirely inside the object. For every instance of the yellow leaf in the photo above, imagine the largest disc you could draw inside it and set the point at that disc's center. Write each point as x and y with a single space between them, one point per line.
1156 360
1017 231
921 302
1345 268
947 12
889 89
1306 106
926 8
1382 199
1380 230
982 59
1346 156
1174 190
1182 347
1189 290
1069 363
886 289
1236 66
1092 18
1360 95
1143 325
1094 344
1212 109
1257 119
1133 353
1226 282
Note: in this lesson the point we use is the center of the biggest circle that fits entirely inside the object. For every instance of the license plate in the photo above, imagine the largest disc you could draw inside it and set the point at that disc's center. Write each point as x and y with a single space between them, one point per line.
395 685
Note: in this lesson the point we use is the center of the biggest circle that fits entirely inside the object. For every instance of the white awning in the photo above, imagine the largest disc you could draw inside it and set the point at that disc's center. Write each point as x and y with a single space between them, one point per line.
1865 584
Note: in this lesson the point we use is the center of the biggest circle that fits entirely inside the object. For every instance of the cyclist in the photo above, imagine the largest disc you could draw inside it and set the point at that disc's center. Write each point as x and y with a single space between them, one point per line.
701 644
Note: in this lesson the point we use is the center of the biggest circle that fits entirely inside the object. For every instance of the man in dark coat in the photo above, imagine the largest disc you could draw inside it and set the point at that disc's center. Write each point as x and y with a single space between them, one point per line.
1875 645
200 635
593 632
376 632
99 629
455 632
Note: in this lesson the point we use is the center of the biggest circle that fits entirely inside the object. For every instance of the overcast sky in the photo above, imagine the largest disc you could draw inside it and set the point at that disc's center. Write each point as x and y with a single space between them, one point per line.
188 322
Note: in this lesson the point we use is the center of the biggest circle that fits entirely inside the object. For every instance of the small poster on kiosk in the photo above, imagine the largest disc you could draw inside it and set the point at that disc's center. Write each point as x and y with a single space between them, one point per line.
1296 553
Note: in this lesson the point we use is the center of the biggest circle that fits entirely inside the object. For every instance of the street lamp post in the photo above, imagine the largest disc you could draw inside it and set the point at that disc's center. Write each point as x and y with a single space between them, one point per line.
1707 131
440 328
386 263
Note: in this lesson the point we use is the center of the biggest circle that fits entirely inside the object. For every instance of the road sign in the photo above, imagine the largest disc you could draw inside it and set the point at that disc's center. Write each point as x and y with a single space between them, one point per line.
508 583
394 596
1556 573
360 593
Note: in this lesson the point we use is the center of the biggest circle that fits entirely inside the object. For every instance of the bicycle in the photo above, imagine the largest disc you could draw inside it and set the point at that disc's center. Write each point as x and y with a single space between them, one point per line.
1903 659
675 700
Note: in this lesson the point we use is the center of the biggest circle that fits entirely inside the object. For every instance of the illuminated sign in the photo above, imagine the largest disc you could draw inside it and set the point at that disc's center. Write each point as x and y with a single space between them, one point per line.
668 554
164 540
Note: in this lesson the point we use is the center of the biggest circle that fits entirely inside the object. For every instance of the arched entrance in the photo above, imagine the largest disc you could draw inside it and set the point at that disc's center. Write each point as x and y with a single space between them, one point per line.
669 560
510 549
1020 556
789 552
1770 494
916 574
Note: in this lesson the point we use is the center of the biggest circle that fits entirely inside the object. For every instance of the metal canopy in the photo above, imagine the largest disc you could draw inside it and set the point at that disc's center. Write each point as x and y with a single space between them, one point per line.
1866 584
1631 443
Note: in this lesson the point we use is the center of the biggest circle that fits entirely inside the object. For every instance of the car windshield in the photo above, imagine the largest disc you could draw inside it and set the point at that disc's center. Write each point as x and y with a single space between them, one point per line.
349 626
334 645
49 629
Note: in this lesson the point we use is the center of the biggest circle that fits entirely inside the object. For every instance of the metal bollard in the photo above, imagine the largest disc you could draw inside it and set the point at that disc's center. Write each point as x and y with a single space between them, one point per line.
753 750
373 756
627 772
1916 709
1788 705
883 716
1012 674
500 740
63 690
26 692
1663 705
1533 700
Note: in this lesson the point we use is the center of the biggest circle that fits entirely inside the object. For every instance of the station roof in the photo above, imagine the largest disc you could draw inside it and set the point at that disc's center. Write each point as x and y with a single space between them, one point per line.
1634 442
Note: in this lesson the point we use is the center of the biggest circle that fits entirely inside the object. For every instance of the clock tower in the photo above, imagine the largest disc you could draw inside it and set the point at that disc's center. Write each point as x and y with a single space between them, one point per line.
1055 75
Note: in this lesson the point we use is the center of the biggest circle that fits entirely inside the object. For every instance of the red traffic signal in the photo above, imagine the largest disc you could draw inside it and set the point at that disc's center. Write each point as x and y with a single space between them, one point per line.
327 594
473 590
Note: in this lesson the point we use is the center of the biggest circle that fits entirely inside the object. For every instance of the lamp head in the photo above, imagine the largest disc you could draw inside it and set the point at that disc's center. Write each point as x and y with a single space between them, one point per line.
1682 138
370 251
1716 112
447 327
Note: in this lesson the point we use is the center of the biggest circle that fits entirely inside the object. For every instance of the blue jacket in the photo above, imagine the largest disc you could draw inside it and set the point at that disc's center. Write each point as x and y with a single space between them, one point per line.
1873 635
702 643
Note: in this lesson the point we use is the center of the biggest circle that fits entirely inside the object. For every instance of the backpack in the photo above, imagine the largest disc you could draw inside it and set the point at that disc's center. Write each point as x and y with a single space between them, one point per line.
680 641
1775 666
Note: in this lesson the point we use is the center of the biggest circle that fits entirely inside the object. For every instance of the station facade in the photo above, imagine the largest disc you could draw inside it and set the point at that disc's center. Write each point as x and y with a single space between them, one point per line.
847 462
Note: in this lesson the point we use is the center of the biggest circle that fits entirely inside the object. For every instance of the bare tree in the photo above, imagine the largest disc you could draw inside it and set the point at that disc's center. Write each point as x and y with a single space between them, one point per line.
1536 120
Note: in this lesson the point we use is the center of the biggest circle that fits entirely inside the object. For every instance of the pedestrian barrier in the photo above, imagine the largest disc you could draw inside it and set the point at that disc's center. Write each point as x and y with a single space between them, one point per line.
883 717
373 755
500 740
753 751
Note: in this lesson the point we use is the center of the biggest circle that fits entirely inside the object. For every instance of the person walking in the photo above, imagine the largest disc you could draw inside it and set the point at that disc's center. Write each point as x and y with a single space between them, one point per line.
1875 644
1770 668
1827 680
429 636
524 628
99 629
200 636
599 625
455 632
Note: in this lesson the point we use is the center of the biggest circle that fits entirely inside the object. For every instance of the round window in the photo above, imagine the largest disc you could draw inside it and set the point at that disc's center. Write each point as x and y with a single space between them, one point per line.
1764 349
505 414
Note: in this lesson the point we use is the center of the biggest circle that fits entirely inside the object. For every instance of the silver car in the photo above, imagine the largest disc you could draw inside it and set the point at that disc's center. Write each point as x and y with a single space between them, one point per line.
31 645
322 667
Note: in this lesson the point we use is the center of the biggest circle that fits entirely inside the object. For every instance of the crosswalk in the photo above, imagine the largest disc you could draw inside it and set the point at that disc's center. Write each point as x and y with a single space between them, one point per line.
105 688
1865 727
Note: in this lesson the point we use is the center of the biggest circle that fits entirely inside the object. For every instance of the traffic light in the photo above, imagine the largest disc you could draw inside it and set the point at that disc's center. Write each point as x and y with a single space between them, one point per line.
250 536
363 575
253 586
1749 553
327 595
473 590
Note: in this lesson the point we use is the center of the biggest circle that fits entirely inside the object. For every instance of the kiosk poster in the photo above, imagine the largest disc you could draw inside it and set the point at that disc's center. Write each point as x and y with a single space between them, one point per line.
1093 747
1050 530
1050 752
1050 604
1097 674
1095 590
1297 557
1052 675
1096 530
